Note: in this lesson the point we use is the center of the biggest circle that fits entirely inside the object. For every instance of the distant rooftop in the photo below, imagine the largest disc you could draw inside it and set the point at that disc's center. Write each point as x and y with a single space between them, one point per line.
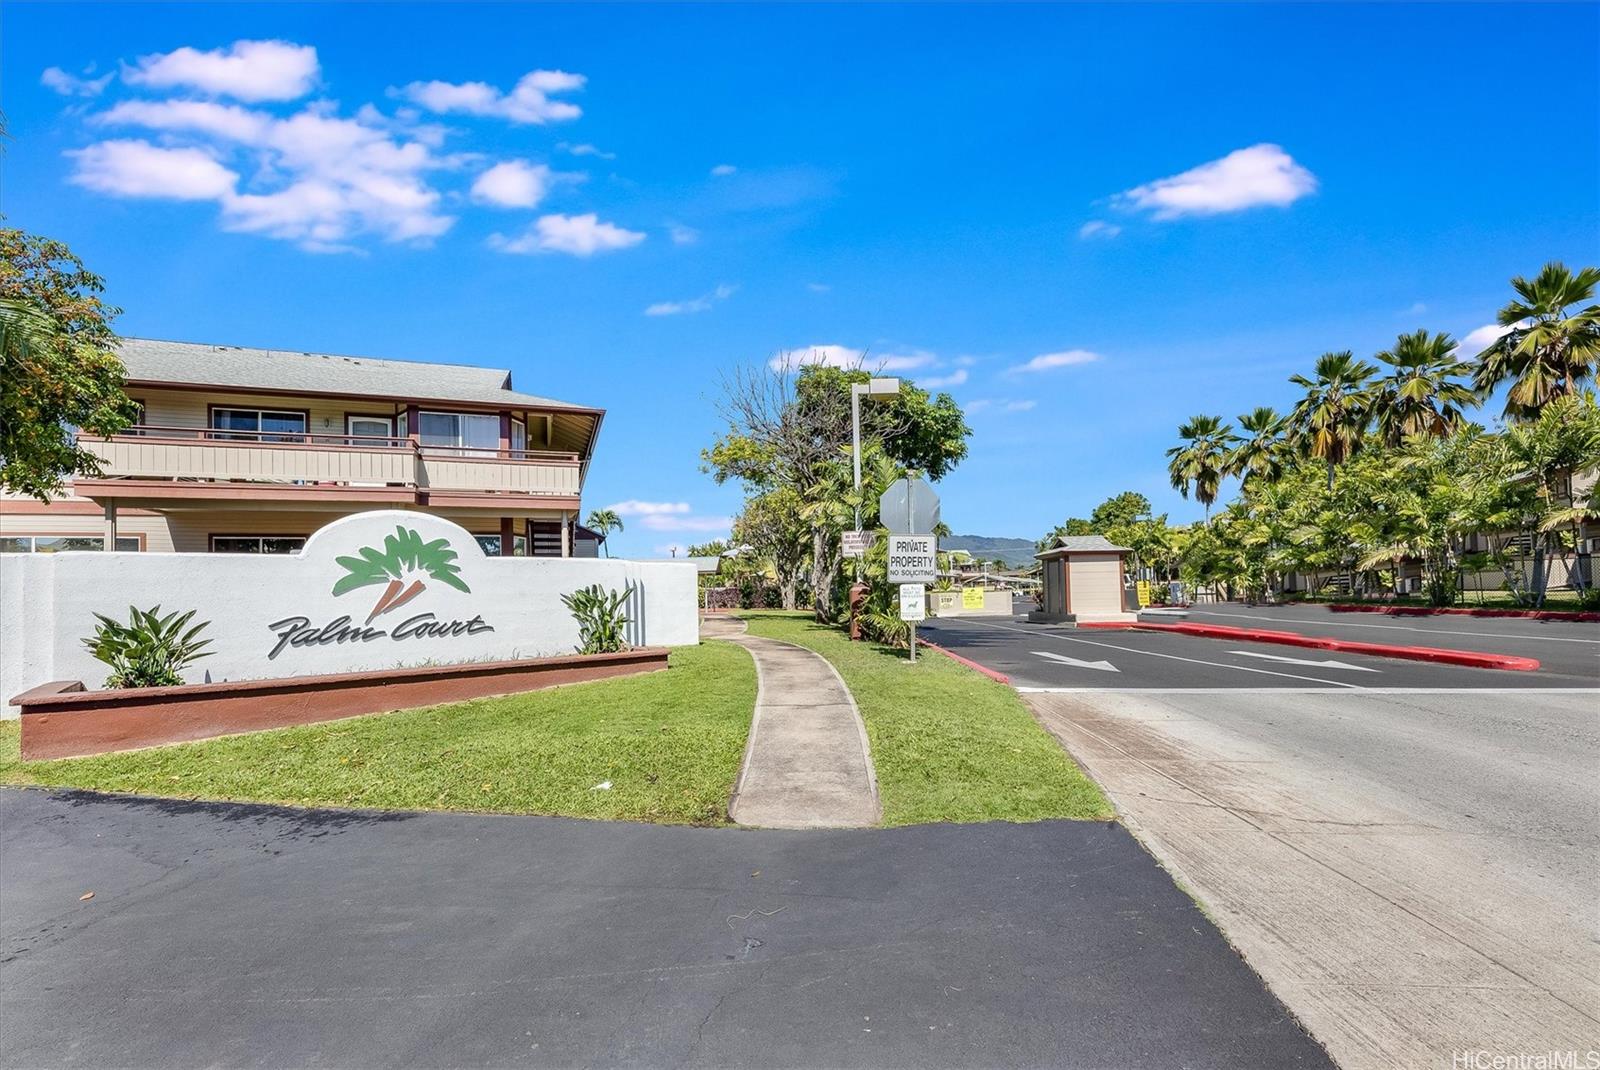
1067 544
149 360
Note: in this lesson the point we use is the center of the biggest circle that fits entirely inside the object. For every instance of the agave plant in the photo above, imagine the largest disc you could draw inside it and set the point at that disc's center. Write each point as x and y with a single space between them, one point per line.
150 650
403 555
600 618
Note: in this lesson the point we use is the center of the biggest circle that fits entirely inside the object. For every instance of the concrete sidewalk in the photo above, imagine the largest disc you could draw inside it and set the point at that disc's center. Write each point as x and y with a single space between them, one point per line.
807 764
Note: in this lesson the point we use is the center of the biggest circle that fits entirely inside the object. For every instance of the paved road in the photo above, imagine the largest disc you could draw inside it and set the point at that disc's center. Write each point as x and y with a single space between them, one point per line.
253 936
1044 656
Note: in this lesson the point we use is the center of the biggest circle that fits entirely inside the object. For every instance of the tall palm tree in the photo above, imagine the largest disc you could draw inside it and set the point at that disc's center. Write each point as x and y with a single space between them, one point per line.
1262 451
1201 461
604 522
1330 419
1424 393
1547 353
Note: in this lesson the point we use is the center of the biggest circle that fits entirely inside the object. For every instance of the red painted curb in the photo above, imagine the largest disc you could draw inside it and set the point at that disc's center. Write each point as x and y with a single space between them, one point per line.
1000 677
1469 658
1578 615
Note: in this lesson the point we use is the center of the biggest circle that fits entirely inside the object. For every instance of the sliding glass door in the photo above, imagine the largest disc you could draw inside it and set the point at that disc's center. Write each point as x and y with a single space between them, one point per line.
443 430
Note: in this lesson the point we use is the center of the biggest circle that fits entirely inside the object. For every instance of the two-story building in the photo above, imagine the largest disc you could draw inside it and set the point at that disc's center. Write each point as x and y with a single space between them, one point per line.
251 450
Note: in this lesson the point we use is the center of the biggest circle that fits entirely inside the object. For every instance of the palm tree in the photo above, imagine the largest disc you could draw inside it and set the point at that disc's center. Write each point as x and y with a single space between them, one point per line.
1547 353
1202 460
1330 419
1423 395
1262 452
604 522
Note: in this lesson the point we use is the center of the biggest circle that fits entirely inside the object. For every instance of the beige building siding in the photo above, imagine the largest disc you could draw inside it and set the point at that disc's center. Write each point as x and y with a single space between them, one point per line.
1096 584
179 408
156 533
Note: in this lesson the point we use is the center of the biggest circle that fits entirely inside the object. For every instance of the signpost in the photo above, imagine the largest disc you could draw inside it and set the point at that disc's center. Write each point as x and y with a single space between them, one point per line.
857 543
909 507
913 558
913 602
910 510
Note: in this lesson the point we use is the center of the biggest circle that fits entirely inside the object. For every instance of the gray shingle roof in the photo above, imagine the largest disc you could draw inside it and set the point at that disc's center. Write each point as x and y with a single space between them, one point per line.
1084 543
150 360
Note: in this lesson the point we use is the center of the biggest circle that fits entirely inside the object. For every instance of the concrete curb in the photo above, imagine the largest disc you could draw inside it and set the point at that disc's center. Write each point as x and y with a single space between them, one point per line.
1472 659
998 677
1580 616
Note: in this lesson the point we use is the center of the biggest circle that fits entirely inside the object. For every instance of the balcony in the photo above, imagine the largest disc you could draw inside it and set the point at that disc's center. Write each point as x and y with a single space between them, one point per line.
189 462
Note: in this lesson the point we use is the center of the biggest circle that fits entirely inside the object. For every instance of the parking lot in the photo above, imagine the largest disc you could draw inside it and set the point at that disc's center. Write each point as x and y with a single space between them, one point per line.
1409 853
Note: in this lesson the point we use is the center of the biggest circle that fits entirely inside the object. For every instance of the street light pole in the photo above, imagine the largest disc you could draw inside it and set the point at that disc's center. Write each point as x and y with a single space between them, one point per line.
877 390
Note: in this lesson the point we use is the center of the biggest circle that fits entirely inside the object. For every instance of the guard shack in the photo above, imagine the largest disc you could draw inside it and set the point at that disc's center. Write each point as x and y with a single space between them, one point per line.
1083 581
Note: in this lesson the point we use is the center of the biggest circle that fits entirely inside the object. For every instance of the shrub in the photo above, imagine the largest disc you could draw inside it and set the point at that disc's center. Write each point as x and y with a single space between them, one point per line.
150 650
600 618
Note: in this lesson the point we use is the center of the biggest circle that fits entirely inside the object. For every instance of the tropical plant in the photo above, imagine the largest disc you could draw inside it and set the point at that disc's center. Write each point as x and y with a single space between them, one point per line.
1547 353
1262 450
603 522
601 618
1202 460
1425 392
1329 421
403 555
150 650
58 367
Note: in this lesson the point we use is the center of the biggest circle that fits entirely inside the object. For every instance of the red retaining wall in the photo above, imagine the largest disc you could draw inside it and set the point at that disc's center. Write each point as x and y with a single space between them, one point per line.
1582 616
62 720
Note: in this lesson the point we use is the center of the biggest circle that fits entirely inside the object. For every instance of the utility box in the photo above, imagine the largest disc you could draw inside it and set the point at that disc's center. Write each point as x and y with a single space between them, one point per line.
1084 580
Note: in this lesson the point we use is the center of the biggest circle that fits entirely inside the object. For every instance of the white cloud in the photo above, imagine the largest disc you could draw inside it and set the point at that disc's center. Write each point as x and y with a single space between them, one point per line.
134 168
1099 228
528 102
818 287
635 507
246 70
585 150
978 404
682 235
1477 341
71 85
1020 406
903 362
670 516
723 170
1245 178
834 356
513 184
937 382
702 303
1048 361
965 361
576 235
228 121
1416 309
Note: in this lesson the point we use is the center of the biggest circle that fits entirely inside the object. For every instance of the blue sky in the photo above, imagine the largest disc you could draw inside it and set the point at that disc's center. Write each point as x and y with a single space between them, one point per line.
1176 207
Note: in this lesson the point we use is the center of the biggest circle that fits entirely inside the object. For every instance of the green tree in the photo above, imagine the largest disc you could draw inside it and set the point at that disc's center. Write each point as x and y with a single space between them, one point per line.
1200 462
58 369
1329 421
772 526
1424 392
1262 450
604 522
1549 352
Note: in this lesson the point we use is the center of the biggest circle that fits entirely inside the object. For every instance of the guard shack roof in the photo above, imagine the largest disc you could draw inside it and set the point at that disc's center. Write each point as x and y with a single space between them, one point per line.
1067 545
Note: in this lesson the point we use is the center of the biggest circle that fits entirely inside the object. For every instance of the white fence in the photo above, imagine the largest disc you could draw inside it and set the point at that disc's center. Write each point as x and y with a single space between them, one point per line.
402 600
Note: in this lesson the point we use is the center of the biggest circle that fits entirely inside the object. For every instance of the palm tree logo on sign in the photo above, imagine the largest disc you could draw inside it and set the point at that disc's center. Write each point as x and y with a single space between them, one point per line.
404 566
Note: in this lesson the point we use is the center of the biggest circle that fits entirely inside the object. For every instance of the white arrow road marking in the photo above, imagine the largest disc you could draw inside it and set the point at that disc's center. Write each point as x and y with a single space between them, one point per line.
1103 666
1303 661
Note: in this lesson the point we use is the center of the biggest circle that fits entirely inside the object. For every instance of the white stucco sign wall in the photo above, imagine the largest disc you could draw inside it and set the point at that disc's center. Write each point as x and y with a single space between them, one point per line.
371 591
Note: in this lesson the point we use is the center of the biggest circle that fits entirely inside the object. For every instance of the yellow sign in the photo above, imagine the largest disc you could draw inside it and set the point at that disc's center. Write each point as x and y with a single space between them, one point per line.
1144 593
972 598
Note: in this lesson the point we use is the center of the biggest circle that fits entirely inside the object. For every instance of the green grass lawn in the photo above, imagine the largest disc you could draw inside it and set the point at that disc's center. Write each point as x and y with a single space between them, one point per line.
670 743
949 743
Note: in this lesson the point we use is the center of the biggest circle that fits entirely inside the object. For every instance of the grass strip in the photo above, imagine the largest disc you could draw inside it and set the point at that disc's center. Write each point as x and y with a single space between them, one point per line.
669 743
949 744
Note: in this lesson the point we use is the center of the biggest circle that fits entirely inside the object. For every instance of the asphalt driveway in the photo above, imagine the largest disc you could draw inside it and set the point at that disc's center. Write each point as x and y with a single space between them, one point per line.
254 936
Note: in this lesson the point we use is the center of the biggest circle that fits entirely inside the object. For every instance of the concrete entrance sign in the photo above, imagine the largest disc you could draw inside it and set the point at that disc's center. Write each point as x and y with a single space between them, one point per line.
913 602
371 591
909 507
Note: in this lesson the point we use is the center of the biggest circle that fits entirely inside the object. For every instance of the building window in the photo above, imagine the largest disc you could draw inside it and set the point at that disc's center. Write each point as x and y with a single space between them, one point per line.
519 435
459 430
55 544
369 427
257 544
491 545
260 425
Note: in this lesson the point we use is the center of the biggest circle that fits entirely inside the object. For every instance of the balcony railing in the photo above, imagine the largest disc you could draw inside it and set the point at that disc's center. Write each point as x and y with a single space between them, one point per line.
214 455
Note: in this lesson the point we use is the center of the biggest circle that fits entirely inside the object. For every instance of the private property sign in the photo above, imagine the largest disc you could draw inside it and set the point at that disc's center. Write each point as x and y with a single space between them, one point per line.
379 590
913 558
